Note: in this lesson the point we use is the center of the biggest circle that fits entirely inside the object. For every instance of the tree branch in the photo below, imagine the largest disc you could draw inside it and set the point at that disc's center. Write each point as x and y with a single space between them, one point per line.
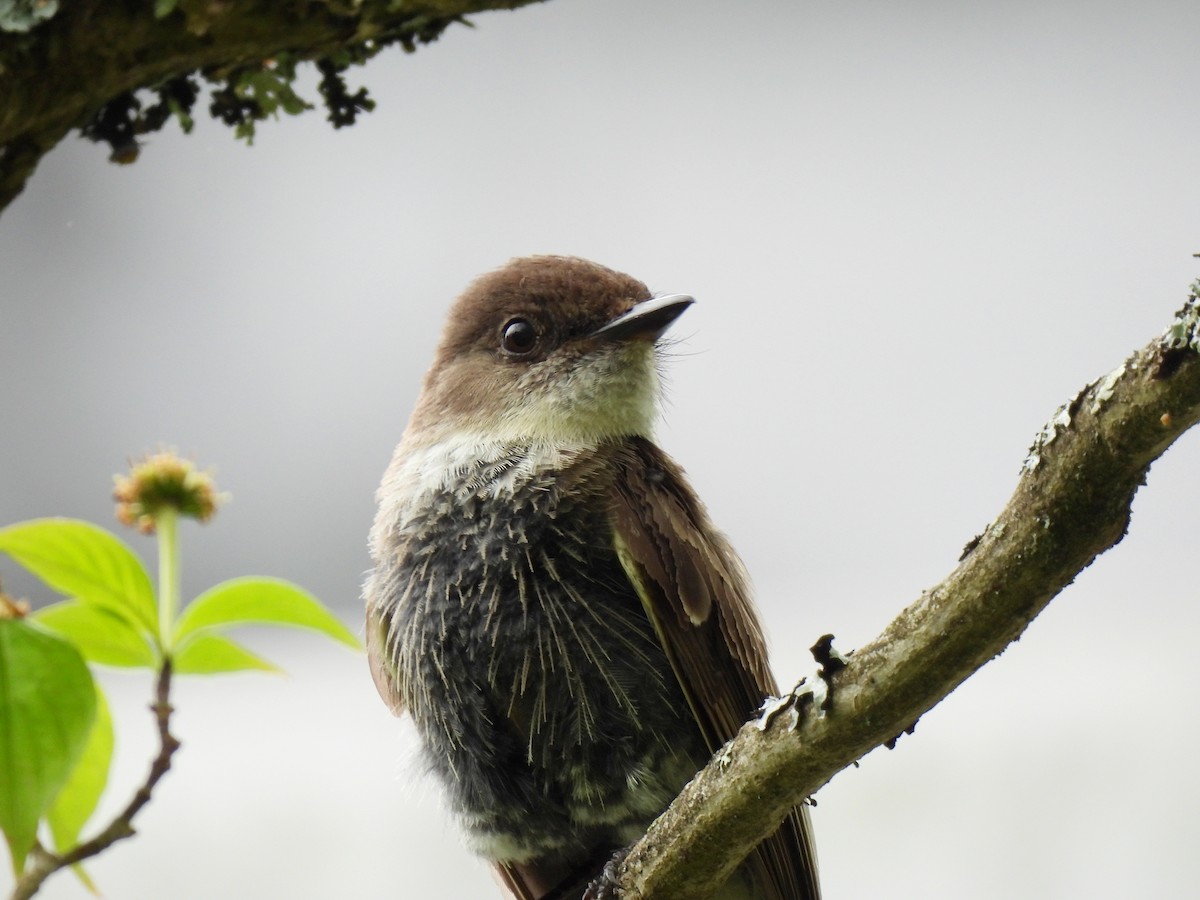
58 75
1072 503
44 864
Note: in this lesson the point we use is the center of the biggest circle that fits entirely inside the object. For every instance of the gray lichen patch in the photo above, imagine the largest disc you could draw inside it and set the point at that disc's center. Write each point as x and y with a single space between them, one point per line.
1059 422
22 15
1184 332
1104 390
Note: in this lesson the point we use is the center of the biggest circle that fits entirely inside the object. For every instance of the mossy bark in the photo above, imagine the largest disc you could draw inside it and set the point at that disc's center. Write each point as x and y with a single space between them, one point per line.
55 77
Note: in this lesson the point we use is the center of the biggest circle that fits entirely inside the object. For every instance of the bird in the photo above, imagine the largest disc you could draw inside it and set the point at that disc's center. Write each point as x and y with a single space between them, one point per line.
549 600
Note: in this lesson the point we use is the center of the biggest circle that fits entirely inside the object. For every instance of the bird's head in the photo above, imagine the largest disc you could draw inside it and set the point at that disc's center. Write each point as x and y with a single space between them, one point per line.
547 349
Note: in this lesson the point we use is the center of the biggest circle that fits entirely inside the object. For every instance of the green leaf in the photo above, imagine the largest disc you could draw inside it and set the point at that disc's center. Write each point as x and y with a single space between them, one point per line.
47 705
84 561
273 90
211 654
186 122
85 879
163 8
260 601
99 634
77 800
245 130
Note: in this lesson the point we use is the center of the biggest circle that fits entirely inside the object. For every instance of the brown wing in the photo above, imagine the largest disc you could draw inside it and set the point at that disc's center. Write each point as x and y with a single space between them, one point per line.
696 592
517 885
382 672
540 880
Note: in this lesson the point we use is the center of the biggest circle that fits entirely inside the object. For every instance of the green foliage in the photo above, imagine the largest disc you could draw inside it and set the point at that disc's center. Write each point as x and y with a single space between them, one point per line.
47 705
258 601
56 735
245 95
256 93
200 646
78 798
100 635
212 654
86 562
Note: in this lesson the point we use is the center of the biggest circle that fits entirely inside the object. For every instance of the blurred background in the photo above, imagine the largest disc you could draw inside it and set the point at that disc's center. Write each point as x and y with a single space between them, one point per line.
913 230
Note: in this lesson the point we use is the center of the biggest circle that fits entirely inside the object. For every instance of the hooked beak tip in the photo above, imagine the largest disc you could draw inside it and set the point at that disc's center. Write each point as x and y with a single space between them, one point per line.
647 320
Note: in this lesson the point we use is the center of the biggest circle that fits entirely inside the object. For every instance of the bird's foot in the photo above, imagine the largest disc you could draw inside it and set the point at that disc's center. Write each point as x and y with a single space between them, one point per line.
604 885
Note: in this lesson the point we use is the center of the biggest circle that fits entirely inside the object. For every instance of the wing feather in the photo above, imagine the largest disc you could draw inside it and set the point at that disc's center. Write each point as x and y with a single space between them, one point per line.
696 592
382 667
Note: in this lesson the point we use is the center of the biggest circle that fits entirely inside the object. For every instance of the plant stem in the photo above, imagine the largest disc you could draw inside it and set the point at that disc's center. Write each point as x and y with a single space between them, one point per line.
167 527
44 863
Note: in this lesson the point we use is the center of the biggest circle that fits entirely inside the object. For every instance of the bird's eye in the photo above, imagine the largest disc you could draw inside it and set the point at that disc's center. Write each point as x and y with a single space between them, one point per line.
519 337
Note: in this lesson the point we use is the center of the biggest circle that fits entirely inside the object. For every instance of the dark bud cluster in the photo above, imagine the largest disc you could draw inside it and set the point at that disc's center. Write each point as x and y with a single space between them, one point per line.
233 109
123 119
343 106
251 93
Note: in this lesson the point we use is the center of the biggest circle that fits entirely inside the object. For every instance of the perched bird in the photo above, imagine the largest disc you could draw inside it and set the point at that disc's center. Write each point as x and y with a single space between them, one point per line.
549 600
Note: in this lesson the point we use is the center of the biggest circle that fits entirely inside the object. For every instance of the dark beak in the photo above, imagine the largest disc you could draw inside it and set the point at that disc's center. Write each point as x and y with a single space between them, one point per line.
648 320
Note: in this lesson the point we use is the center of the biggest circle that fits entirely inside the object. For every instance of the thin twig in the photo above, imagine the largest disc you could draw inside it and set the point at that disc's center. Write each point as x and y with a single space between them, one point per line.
44 863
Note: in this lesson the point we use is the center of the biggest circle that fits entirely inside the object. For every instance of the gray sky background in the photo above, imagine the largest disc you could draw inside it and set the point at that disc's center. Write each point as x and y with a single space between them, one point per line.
912 229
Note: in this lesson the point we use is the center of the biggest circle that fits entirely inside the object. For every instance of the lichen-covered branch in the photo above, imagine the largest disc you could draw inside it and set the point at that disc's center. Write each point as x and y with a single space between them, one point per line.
80 66
1072 503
